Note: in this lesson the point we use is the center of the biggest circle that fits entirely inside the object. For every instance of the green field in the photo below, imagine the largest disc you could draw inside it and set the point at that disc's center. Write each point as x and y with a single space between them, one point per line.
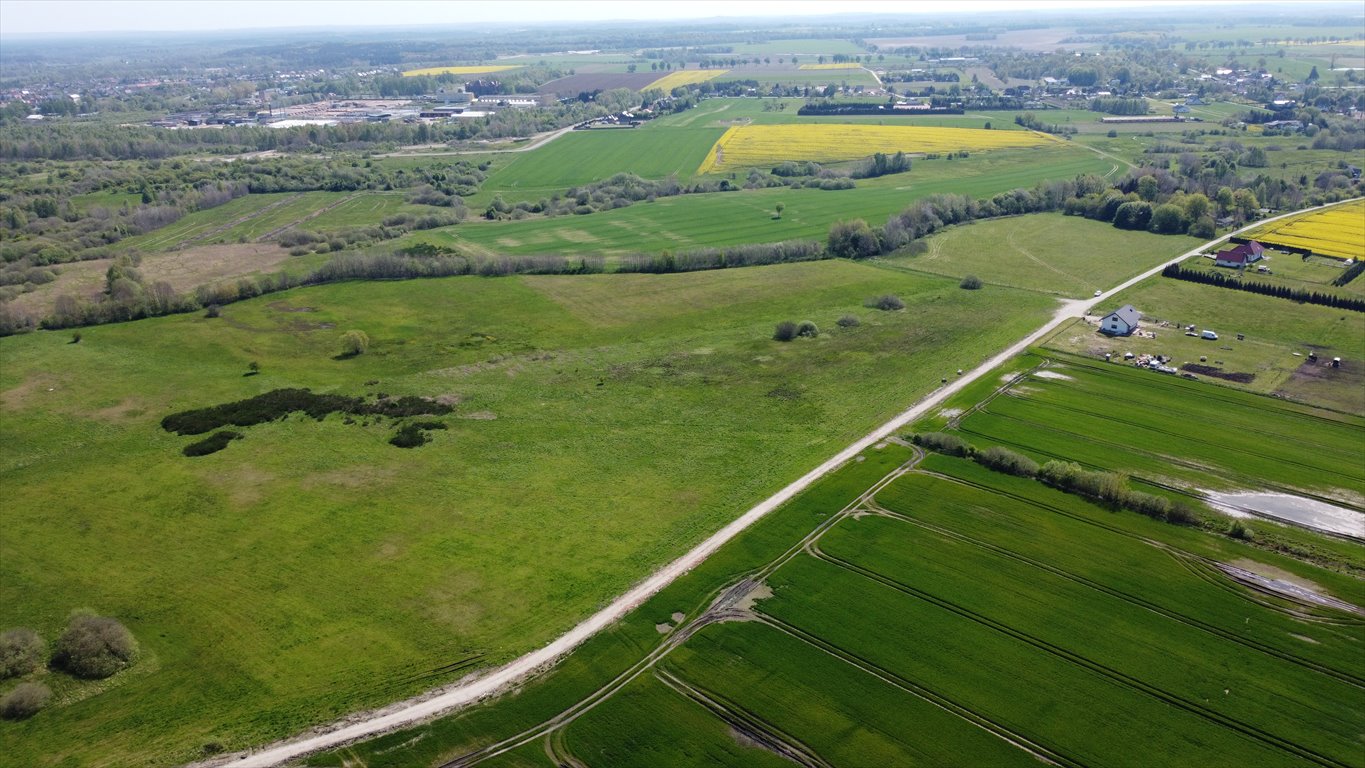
1062 255
726 218
312 569
1174 431
582 157
964 617
202 223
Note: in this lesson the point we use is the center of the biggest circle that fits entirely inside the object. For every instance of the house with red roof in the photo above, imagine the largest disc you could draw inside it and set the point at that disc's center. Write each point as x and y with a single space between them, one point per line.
1240 256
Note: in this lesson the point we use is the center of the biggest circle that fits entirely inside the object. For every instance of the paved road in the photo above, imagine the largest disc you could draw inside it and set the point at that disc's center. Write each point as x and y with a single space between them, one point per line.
494 681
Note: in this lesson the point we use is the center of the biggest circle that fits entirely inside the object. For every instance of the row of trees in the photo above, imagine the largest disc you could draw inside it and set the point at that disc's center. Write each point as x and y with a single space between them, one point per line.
1301 295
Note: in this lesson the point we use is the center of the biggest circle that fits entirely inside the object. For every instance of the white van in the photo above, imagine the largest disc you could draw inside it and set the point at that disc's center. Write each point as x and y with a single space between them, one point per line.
1209 335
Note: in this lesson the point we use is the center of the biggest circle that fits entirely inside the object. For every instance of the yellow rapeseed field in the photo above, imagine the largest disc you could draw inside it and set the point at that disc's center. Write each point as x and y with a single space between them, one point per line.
747 146
843 65
1338 232
477 69
684 77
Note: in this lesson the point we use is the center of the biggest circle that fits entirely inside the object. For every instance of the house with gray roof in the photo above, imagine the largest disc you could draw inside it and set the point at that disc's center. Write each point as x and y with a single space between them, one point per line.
1121 322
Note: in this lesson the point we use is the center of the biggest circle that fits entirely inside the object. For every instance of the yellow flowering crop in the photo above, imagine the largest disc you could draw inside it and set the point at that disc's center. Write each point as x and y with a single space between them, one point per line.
684 77
748 146
1338 232
477 69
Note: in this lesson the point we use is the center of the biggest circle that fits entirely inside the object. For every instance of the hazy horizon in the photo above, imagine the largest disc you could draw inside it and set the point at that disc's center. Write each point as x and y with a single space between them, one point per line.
57 18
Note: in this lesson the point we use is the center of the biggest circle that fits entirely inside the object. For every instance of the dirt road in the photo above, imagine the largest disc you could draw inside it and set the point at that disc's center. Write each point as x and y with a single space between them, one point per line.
537 141
490 682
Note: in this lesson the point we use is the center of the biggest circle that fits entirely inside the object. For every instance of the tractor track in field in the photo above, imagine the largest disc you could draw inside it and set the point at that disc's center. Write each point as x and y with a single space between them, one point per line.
274 233
1084 662
239 220
483 685
1185 558
745 723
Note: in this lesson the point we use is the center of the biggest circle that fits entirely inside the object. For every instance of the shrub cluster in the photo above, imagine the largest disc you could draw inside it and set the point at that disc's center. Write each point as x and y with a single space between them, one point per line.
212 444
1001 459
754 254
94 647
970 283
21 652
887 303
942 442
24 701
414 434
279 403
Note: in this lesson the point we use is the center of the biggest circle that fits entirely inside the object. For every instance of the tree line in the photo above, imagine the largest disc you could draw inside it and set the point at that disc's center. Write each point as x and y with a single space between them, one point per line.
1301 295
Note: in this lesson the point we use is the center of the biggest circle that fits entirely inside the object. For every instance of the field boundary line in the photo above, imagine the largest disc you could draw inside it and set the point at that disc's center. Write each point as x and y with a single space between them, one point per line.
480 686
1097 668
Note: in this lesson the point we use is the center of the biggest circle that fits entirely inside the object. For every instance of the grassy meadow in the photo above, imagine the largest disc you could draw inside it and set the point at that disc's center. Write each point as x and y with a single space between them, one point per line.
1063 255
728 218
311 569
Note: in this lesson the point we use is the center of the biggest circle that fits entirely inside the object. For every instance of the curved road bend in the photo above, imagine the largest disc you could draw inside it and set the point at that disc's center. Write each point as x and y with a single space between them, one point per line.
483 685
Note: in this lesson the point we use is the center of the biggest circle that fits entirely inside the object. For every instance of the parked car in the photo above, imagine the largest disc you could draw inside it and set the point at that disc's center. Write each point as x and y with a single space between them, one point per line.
1210 335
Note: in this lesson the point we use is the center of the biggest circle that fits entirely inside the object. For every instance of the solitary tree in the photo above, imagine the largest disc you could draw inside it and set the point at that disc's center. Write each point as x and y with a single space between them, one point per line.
780 207
354 343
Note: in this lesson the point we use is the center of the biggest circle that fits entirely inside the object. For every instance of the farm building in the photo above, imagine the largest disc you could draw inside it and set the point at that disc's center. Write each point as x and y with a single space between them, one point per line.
1121 322
1240 256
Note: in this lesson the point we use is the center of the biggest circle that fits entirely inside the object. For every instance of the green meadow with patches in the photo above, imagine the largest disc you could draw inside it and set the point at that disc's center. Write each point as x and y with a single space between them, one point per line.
311 568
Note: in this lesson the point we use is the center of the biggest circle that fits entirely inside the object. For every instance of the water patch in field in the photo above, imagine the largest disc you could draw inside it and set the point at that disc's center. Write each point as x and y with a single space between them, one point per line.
1310 513
1052 375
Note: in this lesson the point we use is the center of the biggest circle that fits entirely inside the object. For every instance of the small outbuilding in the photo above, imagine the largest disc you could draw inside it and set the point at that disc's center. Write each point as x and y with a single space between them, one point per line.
1121 322
1240 256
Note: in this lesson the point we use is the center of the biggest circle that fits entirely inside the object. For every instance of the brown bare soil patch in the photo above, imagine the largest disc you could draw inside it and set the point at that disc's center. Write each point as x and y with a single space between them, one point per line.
185 270
1219 373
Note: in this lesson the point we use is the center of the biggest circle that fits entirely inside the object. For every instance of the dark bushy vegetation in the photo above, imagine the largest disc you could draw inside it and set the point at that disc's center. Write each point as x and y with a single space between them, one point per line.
807 329
21 652
942 442
882 165
1002 459
887 303
94 647
970 283
723 258
785 331
1350 273
25 701
277 404
1110 487
212 444
1302 295
414 434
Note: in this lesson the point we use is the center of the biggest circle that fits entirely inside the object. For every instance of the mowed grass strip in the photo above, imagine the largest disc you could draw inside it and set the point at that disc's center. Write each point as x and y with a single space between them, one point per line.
748 146
311 569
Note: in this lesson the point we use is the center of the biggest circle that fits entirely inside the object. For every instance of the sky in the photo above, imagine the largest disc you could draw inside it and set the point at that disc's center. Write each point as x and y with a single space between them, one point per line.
58 17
